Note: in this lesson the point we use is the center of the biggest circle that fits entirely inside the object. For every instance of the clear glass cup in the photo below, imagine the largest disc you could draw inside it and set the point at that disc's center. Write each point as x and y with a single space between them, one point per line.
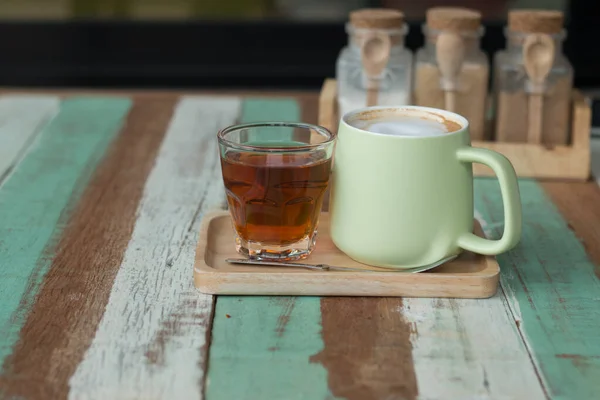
275 176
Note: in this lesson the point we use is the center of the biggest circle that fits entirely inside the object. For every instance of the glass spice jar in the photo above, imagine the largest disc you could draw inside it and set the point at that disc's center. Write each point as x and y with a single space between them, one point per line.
393 84
513 87
470 84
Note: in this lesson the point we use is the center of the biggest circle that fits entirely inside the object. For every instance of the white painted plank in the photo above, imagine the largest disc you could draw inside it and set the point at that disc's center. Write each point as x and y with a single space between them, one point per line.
21 119
469 349
149 342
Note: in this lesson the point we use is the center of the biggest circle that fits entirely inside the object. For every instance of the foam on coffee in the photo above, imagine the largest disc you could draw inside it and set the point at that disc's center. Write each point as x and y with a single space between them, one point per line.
408 127
389 122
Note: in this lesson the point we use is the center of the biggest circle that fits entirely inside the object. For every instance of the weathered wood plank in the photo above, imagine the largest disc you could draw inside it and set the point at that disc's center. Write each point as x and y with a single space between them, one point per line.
261 349
36 200
21 119
261 345
367 349
471 347
71 301
151 341
256 109
466 349
552 290
451 340
579 204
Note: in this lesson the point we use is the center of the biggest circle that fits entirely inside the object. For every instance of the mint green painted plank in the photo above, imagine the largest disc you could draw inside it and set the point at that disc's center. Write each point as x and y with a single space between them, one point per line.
261 110
262 350
36 199
557 296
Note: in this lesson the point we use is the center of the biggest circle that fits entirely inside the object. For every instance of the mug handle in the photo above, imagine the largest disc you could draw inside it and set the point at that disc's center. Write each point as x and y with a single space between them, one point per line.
509 187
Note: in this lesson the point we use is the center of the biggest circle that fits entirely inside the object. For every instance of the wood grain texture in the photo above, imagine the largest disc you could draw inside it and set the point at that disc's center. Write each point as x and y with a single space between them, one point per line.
469 276
260 345
70 304
261 349
151 341
367 349
535 104
559 162
579 205
21 119
468 349
451 349
37 199
552 290
538 161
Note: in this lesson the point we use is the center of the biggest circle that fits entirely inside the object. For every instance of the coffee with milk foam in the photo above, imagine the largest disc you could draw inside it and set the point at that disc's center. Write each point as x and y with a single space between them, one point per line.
405 125
408 127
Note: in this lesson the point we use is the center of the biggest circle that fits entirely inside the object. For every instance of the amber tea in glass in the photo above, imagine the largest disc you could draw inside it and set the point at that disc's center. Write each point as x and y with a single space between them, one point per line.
275 177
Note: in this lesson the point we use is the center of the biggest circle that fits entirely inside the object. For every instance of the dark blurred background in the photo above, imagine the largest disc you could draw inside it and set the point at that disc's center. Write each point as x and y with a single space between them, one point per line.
271 44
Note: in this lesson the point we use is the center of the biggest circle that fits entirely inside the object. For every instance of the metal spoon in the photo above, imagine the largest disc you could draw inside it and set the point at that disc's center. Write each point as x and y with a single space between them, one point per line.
325 267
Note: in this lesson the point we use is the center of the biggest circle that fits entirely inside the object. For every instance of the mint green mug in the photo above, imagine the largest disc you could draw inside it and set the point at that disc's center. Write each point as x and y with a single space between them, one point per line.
407 201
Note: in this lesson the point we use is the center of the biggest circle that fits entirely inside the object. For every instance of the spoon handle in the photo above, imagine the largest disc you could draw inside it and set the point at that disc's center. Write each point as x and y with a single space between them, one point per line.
372 95
264 263
534 132
315 267
325 267
450 100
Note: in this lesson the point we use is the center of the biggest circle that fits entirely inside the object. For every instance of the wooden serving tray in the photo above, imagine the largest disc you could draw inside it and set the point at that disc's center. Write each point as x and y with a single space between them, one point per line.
530 160
469 276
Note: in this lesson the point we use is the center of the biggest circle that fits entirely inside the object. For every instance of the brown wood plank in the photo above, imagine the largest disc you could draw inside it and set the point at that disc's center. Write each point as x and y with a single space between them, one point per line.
71 301
579 204
367 349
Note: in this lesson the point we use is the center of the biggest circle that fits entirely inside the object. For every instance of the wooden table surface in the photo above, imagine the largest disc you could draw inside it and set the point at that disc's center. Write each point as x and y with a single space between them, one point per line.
101 197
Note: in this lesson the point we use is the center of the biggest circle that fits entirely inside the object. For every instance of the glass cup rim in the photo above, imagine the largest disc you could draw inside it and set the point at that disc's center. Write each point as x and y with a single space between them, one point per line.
331 136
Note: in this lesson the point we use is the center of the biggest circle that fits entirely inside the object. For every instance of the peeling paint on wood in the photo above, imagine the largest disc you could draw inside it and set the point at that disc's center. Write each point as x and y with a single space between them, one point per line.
263 349
35 201
21 119
74 293
151 340
367 350
551 282
466 348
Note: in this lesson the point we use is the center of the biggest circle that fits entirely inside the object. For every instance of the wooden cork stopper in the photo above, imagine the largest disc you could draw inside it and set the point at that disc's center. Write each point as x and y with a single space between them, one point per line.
455 19
377 18
536 21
